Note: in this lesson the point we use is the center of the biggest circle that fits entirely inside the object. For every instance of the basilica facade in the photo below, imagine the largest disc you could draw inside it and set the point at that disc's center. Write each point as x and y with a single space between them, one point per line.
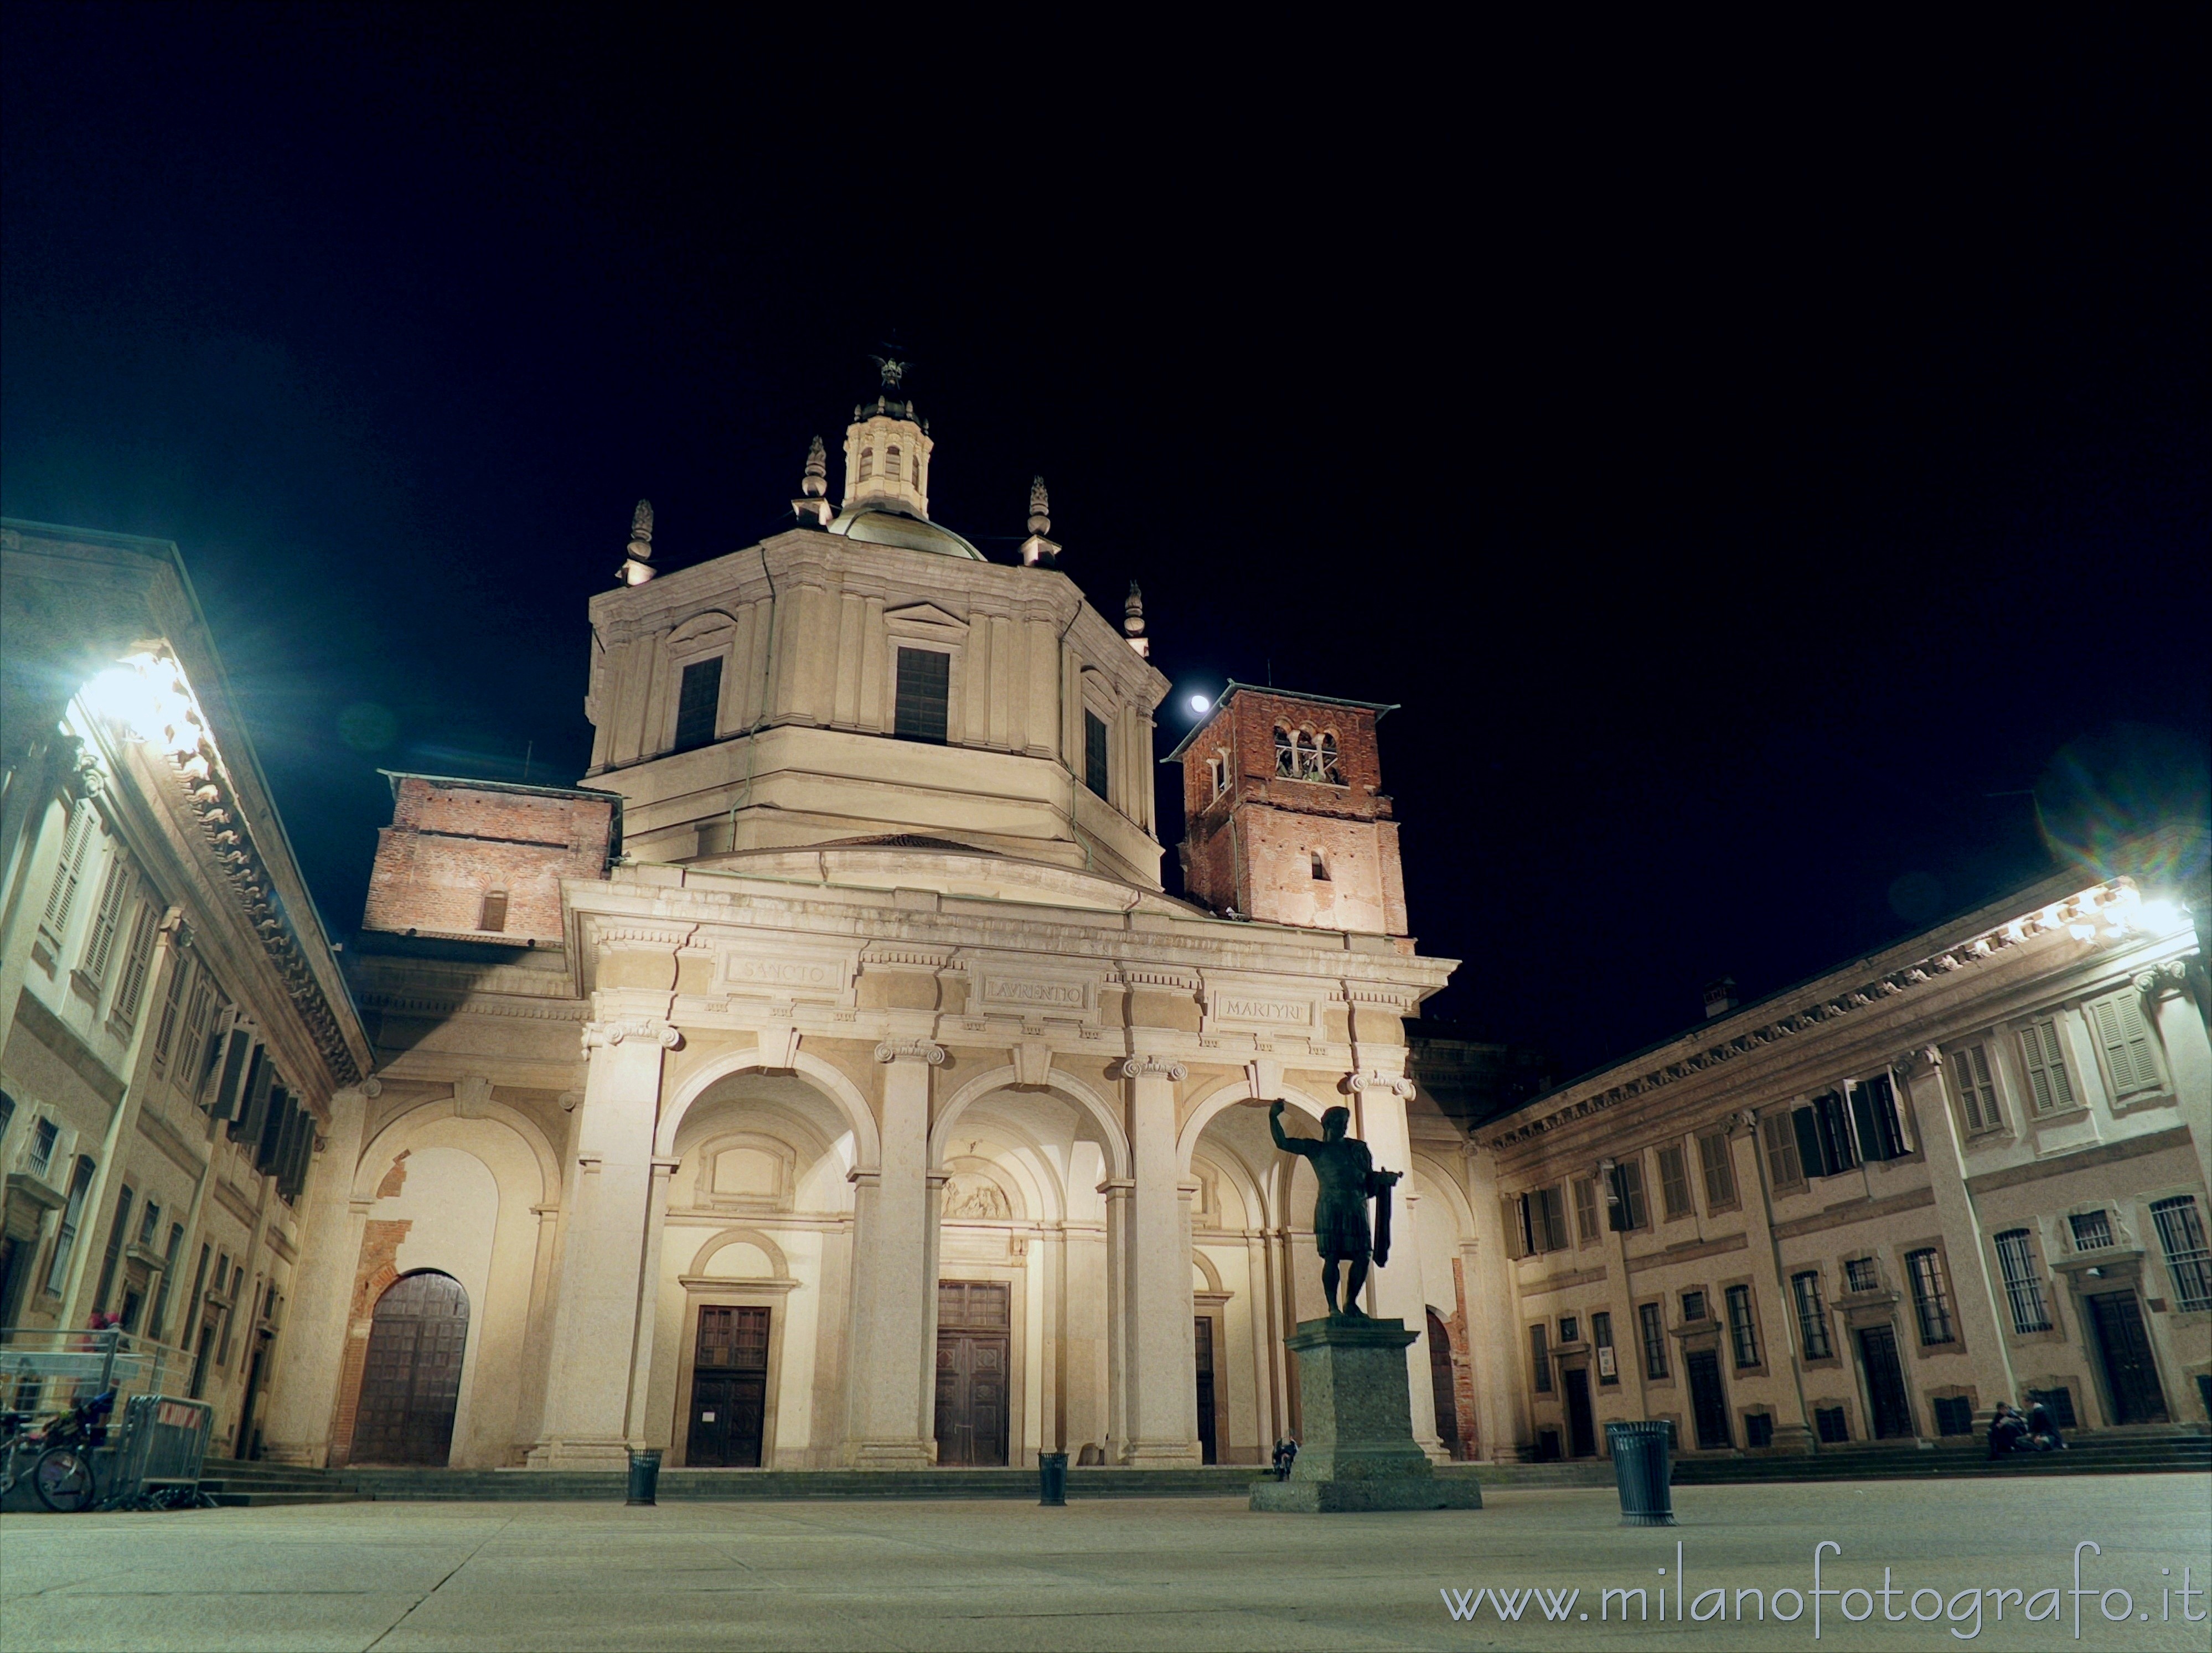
827 1079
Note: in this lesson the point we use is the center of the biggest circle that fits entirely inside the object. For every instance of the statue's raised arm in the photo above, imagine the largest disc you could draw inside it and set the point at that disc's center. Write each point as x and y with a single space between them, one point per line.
1288 1144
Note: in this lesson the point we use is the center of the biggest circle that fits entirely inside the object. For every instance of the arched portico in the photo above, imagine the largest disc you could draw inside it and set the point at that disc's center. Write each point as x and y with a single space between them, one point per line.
867 1148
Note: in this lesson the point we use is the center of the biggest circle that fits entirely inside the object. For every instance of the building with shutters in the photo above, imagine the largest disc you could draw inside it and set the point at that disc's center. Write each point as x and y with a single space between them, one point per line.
1967 1170
172 1020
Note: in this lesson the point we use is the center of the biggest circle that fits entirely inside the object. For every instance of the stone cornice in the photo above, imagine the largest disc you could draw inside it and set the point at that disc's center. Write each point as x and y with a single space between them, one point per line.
1819 1008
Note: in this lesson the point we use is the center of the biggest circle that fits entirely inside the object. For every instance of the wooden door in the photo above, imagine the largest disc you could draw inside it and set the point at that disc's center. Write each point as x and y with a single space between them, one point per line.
2131 1372
1891 1408
1202 1343
1708 1400
410 1384
975 1335
1582 1429
729 1389
1441 1385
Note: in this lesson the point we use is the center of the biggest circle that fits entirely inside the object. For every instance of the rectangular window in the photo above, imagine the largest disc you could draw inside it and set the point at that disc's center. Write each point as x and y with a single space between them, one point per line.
118 1233
173 1014
2023 1285
42 1147
1719 1168
65 1236
2093 1230
2060 1401
1586 1228
1812 1315
1539 1352
1675 1181
1861 1276
1693 1305
7 1113
2048 1087
68 872
1782 1163
1608 1370
1743 1336
1094 753
154 1327
189 1071
1929 1300
698 703
106 919
1954 1414
2188 1264
1655 1341
138 960
1628 1213
1874 1117
925 689
1824 1136
1571 1328
149 1222
1759 1429
1543 1220
1830 1423
2124 1035
1974 1090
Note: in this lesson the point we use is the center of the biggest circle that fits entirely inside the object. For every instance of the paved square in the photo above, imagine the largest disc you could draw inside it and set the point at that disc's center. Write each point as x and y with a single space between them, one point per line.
1120 1573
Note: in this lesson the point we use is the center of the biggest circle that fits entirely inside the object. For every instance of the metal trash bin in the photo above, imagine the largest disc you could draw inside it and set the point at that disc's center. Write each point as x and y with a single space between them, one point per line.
1643 1467
644 1474
1052 1479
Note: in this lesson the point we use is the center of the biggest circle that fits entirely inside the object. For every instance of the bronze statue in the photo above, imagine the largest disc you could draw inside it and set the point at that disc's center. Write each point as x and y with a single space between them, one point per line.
1348 1178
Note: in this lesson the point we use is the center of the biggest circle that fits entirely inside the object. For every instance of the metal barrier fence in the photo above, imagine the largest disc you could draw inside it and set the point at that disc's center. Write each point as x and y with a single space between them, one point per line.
44 1370
164 1444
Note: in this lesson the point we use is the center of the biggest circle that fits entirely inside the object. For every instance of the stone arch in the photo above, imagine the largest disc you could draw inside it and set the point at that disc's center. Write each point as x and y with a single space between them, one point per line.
729 1237
1208 1272
376 1159
1455 1196
834 1085
1067 1087
1225 1095
705 622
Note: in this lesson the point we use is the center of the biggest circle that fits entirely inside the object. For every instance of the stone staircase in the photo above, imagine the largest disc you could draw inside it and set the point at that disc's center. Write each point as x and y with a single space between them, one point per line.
258 1486
2150 1450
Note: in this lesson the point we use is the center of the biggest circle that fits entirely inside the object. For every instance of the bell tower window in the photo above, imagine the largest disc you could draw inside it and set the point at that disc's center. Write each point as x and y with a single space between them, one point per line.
1094 753
1286 754
697 701
1319 868
924 684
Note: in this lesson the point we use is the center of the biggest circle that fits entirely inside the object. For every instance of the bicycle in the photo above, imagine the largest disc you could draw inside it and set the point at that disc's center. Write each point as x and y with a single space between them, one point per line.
60 1460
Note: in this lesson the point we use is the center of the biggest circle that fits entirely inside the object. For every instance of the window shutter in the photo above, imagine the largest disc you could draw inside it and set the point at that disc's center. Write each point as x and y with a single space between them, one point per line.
2126 1038
225 1105
113 893
137 958
1808 1142
67 871
1515 1212
2046 1067
253 1103
1783 1162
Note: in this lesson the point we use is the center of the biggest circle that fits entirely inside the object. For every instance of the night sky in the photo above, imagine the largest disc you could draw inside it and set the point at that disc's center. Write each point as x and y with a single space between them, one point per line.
1752 481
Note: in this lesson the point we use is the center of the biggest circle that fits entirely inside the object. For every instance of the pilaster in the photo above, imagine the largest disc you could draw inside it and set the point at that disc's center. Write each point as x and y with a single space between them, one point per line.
1158 1362
306 1389
892 1392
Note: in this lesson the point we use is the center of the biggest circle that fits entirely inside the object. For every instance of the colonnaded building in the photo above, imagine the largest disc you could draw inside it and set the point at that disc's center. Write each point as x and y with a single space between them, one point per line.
827 1079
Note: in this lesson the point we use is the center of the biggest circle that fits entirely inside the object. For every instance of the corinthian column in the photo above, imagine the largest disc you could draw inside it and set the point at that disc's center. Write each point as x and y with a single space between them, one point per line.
597 1311
1158 1362
891 1392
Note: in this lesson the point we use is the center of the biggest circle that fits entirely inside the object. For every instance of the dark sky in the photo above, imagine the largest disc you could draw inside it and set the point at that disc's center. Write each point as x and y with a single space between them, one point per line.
1749 475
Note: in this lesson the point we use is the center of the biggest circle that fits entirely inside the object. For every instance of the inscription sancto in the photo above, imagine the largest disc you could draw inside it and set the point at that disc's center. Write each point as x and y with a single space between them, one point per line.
823 974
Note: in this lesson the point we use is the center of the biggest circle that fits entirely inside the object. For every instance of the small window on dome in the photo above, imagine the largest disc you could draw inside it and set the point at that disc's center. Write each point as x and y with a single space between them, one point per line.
891 460
867 463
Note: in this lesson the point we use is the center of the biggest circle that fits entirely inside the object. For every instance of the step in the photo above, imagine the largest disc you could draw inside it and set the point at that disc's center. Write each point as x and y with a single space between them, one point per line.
273 1500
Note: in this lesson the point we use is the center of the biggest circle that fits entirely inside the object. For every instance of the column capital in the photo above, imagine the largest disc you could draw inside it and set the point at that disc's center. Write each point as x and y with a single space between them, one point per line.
649 1029
1153 1066
911 1049
1374 1080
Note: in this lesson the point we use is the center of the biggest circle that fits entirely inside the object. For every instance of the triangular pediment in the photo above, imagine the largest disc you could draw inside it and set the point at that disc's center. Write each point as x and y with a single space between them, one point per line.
924 617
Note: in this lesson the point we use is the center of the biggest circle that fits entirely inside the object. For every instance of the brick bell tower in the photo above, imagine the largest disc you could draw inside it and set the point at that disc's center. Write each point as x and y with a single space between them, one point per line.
1286 818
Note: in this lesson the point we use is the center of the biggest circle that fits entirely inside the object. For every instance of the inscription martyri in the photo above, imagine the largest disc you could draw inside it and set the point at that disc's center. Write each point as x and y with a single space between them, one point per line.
1277 1013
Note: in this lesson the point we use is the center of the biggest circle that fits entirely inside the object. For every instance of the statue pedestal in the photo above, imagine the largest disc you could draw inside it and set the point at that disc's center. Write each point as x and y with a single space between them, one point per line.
1358 1451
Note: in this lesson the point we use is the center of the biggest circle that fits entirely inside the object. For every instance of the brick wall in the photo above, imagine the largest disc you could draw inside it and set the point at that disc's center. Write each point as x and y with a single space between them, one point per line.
1253 846
452 844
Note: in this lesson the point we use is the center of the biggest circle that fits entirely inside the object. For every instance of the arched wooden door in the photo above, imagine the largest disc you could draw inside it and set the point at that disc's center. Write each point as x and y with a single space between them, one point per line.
1440 1381
411 1381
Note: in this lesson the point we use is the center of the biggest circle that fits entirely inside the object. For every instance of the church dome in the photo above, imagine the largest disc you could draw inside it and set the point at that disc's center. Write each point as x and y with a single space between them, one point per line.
874 523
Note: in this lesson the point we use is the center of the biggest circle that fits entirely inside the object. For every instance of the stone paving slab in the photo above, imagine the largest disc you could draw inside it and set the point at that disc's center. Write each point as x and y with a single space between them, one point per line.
1164 1573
